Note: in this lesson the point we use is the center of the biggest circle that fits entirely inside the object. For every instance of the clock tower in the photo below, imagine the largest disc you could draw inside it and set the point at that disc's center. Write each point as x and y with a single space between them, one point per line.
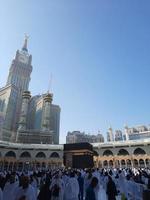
20 69
25 118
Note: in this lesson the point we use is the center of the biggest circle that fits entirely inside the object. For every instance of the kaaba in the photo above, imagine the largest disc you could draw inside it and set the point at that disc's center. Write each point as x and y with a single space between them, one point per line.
78 155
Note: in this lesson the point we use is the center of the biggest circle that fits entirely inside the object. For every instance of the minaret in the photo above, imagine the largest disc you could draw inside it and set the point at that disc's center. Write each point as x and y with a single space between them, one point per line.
110 136
21 68
126 133
46 112
24 110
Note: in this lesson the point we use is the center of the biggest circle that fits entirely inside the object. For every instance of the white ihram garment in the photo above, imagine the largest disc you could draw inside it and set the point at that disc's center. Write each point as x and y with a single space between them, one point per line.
71 189
29 193
10 190
59 182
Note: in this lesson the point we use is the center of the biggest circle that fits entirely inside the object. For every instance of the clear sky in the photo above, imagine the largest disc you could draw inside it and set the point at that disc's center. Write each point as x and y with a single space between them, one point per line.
98 52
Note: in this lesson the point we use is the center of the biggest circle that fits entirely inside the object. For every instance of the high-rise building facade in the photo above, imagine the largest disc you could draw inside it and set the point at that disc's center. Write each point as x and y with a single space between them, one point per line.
138 132
79 137
129 133
118 135
20 69
26 118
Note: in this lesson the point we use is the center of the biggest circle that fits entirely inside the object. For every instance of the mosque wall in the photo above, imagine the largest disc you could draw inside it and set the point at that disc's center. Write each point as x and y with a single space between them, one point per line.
123 156
22 156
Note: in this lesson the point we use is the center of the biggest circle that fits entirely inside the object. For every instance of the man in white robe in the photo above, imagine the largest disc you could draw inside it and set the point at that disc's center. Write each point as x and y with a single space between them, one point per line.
57 181
65 178
87 180
10 188
34 183
121 182
72 188
26 191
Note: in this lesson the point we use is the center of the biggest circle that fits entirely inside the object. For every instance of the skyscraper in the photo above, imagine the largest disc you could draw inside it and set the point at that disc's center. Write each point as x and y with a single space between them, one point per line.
23 117
20 69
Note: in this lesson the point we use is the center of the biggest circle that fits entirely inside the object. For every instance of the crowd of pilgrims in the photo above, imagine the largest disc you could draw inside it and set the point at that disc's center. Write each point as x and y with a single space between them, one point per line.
71 184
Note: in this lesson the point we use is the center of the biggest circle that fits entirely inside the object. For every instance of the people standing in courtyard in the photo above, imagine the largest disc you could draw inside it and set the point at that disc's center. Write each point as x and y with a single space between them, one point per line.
111 189
26 191
81 185
87 180
67 184
34 183
72 188
57 187
90 193
45 193
10 188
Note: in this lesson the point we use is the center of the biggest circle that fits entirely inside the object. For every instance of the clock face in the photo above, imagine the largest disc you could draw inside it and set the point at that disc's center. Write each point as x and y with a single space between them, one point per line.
23 58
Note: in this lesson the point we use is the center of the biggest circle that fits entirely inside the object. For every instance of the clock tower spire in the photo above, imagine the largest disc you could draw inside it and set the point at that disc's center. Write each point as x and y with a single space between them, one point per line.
21 68
24 48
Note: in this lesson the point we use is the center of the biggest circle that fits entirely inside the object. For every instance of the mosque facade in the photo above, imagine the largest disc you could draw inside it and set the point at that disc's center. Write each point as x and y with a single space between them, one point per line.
25 118
18 156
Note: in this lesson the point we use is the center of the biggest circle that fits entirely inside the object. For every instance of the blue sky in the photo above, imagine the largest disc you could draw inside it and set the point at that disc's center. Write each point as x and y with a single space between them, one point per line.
97 51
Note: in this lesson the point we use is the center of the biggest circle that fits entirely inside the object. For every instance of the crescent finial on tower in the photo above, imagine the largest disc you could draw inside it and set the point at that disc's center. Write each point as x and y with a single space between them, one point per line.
24 48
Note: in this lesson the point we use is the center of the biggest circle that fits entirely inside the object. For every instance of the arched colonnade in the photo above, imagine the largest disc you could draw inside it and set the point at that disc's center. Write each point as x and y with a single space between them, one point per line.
26 161
138 158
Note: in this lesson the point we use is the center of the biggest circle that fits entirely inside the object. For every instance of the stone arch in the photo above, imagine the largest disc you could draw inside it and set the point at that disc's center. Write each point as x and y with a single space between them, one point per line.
141 162
128 162
99 164
111 163
147 161
107 153
123 152
54 155
105 163
139 151
117 162
40 155
10 154
25 154
123 162
95 153
135 161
